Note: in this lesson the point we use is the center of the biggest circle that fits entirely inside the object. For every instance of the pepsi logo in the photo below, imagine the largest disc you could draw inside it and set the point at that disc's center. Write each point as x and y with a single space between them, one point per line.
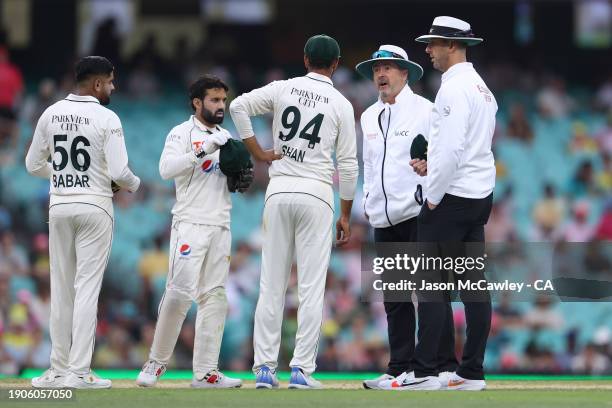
207 166
185 249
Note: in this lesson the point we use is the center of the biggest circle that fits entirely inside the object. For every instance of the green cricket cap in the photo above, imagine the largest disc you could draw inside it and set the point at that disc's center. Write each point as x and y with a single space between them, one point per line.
322 49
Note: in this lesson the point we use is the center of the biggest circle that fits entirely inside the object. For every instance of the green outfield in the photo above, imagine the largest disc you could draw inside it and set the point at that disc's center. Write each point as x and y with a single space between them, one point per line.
343 390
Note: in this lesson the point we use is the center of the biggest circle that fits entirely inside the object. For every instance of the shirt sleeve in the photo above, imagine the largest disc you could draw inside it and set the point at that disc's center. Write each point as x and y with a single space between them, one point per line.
256 102
174 160
117 157
38 154
449 125
346 153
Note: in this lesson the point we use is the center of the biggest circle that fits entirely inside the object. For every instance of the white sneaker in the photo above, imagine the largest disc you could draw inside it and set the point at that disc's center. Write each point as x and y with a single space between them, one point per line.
301 381
443 377
49 379
85 381
375 383
150 373
456 382
215 379
408 382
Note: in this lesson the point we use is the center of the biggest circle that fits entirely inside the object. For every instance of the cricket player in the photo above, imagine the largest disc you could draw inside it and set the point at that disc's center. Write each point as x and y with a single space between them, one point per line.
460 170
311 120
88 154
200 239
393 192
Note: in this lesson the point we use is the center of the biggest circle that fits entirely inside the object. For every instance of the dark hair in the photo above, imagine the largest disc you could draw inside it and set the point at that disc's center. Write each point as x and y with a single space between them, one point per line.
321 64
202 84
91 66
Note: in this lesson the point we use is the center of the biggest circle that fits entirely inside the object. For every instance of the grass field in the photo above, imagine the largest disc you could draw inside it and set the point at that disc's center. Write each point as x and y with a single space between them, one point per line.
559 392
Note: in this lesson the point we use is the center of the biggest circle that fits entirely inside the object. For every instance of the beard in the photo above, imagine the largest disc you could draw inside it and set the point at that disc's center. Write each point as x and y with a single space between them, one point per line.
211 117
104 100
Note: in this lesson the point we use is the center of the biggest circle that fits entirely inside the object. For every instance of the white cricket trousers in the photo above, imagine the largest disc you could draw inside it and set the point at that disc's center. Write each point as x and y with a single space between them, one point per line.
80 237
199 265
294 223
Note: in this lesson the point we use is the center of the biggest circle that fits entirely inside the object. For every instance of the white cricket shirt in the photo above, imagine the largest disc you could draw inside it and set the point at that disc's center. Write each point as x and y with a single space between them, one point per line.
311 120
202 196
459 157
86 143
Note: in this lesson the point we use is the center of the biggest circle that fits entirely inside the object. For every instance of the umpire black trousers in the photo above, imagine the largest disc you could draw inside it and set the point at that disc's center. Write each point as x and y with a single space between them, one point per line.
401 319
442 231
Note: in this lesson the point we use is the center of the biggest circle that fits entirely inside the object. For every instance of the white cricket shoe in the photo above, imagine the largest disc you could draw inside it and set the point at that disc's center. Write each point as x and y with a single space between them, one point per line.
49 379
375 383
86 381
215 379
456 382
443 377
408 382
150 373
301 381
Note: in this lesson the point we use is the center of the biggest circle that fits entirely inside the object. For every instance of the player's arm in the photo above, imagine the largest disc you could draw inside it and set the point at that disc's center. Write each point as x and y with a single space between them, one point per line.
117 157
38 154
447 142
348 171
367 165
178 157
256 102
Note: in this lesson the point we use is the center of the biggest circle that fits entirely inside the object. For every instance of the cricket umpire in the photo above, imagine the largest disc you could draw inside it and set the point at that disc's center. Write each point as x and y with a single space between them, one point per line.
393 192
460 172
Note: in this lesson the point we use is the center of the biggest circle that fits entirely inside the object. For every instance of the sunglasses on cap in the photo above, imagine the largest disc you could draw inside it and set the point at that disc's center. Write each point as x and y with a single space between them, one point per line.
385 54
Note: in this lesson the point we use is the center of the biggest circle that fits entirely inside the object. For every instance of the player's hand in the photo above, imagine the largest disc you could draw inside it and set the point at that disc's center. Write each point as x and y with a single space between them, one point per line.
212 143
431 206
269 156
115 187
343 231
419 166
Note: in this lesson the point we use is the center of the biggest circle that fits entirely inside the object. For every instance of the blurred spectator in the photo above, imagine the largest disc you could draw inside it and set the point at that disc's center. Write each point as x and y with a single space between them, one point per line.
543 315
604 177
36 105
590 361
604 137
500 227
518 124
143 82
581 140
547 215
582 184
12 256
578 229
11 88
554 101
604 228
596 261
107 41
603 97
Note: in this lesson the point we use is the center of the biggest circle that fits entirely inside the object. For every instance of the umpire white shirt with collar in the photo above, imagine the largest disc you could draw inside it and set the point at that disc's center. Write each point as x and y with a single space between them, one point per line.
459 157
390 187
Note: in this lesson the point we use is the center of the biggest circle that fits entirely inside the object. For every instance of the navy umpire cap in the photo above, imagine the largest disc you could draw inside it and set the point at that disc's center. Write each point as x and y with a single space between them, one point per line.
234 157
322 49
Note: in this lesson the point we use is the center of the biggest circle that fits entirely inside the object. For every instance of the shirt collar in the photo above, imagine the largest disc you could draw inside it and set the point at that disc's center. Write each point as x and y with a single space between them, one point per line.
82 98
202 126
457 69
319 77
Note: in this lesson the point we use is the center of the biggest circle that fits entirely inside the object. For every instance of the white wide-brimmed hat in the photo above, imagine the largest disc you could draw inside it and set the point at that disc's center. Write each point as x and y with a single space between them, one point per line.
450 28
391 53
